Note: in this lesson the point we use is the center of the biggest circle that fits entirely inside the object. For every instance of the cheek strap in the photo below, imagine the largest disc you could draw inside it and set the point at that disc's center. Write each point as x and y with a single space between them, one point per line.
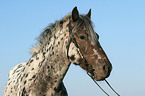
72 39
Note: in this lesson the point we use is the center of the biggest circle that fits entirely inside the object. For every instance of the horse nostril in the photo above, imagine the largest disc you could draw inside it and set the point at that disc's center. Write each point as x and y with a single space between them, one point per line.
105 68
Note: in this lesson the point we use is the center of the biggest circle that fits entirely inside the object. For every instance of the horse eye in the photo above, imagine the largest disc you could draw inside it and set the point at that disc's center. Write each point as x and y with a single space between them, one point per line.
82 37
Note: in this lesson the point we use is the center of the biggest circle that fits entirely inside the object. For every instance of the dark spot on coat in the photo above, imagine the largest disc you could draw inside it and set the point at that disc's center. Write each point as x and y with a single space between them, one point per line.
49 38
37 58
43 60
23 69
72 57
44 53
34 76
54 37
52 48
21 79
9 83
48 43
48 67
29 90
34 80
58 42
24 92
52 53
25 82
31 61
18 74
30 79
26 75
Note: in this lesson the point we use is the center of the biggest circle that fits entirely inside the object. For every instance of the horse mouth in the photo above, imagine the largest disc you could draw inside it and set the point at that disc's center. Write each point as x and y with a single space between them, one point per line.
100 76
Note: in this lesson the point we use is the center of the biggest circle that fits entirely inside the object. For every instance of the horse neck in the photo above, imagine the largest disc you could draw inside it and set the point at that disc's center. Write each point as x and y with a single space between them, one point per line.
50 63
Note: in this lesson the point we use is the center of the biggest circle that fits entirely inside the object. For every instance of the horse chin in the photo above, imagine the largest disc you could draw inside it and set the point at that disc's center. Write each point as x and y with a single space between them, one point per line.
97 78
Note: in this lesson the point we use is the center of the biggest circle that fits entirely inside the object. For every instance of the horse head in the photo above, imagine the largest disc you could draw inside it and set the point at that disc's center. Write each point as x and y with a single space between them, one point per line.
84 47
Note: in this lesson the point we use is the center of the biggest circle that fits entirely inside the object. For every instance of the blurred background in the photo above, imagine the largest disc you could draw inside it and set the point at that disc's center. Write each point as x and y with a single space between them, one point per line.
119 23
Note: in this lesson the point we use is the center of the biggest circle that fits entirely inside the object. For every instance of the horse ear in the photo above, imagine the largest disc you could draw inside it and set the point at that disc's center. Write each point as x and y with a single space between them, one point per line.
89 14
75 14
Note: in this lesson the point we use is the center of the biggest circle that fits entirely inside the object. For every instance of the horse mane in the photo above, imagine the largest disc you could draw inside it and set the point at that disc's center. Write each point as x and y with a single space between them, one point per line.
45 36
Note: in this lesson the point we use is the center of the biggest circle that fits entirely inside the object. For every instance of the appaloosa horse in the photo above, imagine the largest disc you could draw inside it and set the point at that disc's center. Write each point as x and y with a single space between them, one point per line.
69 40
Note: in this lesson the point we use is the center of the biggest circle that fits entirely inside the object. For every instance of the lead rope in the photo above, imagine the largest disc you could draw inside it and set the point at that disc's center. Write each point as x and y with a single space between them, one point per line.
102 88
98 85
111 87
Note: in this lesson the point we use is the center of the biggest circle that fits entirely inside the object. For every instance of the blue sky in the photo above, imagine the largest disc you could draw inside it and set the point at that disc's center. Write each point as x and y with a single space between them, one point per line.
120 24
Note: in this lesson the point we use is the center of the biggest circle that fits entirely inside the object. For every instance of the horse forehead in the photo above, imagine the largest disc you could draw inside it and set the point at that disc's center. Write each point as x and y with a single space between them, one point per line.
91 34
87 28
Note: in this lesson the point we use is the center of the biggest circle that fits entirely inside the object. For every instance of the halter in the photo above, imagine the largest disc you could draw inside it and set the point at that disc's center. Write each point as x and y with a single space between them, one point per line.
72 39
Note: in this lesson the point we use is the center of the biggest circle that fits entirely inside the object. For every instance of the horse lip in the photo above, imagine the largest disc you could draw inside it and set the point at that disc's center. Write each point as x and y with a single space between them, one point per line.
100 79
